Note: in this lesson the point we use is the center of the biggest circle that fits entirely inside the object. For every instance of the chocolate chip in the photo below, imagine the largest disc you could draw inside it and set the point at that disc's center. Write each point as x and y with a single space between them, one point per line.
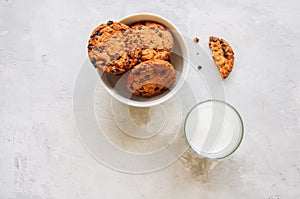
221 42
101 48
223 48
103 63
111 57
147 77
143 68
140 93
131 87
156 88
138 73
162 73
144 92
226 54
109 22
140 28
139 56
122 30
142 88
160 34
117 69
199 67
214 39
93 61
129 55
112 70
99 33
154 48
117 56
90 47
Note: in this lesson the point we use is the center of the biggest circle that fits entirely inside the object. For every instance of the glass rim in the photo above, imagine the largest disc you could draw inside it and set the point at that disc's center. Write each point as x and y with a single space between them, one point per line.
241 132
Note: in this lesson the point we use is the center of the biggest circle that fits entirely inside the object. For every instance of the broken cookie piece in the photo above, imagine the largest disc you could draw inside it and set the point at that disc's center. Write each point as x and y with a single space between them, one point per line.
223 55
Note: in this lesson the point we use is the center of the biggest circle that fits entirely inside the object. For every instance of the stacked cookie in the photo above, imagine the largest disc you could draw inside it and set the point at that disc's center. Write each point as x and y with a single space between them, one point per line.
142 49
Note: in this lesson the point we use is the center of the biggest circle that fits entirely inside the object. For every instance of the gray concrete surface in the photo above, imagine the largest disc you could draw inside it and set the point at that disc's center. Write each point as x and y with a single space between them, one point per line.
42 46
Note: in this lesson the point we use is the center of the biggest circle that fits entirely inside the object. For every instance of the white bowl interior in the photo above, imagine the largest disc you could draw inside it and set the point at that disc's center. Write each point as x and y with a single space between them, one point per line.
116 85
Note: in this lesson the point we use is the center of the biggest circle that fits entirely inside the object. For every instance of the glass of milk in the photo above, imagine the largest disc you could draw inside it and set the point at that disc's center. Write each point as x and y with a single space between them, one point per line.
214 129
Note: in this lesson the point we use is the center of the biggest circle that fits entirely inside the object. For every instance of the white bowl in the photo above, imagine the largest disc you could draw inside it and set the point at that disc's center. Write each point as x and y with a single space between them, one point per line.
116 86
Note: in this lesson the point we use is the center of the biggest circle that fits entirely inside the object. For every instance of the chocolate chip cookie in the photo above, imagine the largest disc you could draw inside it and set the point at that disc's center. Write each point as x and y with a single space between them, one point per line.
223 55
151 78
107 48
155 40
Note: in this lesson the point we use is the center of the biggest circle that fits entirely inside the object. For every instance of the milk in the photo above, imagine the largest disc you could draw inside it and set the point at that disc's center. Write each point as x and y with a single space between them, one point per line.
213 129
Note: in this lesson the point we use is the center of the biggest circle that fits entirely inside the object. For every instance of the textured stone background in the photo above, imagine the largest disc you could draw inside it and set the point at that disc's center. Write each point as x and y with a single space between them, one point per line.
42 45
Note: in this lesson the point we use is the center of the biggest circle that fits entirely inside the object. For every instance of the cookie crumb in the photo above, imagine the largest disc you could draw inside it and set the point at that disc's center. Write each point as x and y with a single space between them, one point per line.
199 67
196 39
